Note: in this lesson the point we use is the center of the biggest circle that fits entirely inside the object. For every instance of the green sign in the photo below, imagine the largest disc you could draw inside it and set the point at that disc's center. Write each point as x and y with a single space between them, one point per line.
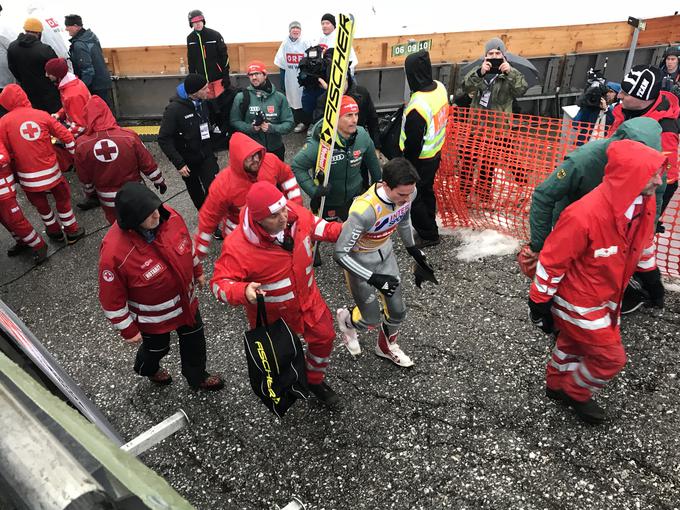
404 49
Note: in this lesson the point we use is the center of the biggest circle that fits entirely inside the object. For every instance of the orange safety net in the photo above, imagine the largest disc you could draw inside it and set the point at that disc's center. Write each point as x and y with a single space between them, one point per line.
492 161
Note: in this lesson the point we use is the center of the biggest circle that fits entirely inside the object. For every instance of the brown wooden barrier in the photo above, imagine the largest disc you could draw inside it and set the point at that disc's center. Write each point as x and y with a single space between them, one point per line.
446 47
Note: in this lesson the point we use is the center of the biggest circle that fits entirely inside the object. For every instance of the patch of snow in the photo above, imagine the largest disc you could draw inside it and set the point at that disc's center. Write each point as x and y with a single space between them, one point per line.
475 244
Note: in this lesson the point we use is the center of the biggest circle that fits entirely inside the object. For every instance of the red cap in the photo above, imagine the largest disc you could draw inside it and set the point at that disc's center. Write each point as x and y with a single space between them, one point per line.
348 105
256 67
56 67
264 199
197 18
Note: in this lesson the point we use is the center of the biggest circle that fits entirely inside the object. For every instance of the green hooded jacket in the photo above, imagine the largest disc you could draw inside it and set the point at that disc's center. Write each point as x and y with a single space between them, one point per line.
274 106
581 172
345 173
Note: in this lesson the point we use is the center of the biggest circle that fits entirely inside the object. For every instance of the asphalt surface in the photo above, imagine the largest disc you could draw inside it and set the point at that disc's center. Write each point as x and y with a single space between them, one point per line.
467 427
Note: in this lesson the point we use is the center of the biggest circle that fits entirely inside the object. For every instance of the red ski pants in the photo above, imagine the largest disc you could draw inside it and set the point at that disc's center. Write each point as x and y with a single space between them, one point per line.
62 197
13 219
581 369
319 339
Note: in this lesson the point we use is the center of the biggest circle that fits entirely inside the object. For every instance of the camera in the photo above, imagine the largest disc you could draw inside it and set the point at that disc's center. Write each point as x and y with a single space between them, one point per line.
314 65
596 89
259 118
495 65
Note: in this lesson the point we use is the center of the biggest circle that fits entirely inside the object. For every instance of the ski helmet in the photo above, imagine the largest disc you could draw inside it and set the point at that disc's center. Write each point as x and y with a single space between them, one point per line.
196 15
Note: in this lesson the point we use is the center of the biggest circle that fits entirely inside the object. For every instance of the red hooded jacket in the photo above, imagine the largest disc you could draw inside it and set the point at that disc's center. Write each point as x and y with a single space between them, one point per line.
665 110
149 287
27 132
227 193
74 96
286 277
108 156
595 247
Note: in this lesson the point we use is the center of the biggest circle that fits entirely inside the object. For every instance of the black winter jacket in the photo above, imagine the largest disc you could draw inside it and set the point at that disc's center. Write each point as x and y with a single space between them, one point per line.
180 132
88 61
210 43
26 58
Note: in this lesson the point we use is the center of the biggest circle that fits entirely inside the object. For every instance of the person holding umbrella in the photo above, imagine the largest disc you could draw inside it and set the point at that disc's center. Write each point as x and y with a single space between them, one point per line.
493 83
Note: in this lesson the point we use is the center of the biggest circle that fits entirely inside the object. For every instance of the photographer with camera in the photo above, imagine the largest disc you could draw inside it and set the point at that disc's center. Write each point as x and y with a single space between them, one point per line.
262 112
592 103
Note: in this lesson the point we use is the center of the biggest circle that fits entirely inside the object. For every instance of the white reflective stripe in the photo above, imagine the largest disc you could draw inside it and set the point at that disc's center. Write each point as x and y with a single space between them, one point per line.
647 264
69 145
66 214
563 355
309 268
7 179
316 359
281 284
582 383
204 236
44 182
581 310
294 194
155 308
154 174
586 373
279 299
4 191
41 173
196 261
29 237
314 368
106 203
149 319
66 223
308 246
311 280
218 293
649 250
47 216
230 224
35 242
290 183
544 288
202 248
107 194
115 314
565 367
584 323
122 325
320 227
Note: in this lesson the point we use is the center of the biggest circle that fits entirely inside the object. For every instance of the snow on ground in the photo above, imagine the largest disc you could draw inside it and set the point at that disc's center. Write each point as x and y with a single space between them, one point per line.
476 245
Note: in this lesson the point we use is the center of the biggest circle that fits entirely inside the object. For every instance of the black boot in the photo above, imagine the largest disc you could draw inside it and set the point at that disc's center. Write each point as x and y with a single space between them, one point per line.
89 203
325 394
17 249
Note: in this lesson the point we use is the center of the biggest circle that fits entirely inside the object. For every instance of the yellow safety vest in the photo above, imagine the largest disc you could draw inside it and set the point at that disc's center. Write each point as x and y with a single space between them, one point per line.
432 106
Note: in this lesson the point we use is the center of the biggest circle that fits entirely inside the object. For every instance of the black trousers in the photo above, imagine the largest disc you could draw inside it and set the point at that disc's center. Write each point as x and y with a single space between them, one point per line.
201 175
191 351
668 195
424 208
280 153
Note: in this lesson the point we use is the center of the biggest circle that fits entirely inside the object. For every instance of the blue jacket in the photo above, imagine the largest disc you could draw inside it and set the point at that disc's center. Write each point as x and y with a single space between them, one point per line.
88 61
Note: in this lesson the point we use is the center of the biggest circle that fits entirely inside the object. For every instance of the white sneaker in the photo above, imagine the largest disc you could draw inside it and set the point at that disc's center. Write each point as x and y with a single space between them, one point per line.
299 128
391 351
349 333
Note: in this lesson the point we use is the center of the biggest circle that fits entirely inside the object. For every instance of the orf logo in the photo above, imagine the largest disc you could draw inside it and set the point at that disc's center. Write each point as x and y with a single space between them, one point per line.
51 23
105 150
294 58
29 131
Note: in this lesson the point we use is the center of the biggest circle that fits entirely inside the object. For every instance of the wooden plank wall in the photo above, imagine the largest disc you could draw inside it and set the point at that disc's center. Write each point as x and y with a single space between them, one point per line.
446 47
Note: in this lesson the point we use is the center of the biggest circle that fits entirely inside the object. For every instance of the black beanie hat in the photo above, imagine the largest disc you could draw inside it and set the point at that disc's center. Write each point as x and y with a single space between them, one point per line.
329 17
193 83
134 203
73 19
643 82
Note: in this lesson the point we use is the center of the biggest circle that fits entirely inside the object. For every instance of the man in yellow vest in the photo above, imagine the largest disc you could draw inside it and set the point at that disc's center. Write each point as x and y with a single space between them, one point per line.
423 128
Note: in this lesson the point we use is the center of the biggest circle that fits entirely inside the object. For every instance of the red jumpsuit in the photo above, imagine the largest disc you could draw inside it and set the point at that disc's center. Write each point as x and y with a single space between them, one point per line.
249 255
27 132
11 215
227 193
149 287
586 263
74 96
108 156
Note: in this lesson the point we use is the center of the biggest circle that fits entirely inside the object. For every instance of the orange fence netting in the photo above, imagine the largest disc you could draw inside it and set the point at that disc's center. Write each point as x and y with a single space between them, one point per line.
492 161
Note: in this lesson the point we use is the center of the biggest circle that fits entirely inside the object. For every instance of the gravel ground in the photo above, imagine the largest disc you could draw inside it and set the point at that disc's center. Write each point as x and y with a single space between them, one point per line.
467 427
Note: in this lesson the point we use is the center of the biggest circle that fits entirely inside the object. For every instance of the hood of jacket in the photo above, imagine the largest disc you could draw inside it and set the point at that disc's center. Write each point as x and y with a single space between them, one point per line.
630 166
13 96
240 147
98 116
419 71
27 40
134 203
69 80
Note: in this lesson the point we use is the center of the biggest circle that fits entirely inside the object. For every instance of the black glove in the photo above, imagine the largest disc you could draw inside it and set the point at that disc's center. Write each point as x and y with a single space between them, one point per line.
651 282
541 316
322 191
423 271
162 187
385 283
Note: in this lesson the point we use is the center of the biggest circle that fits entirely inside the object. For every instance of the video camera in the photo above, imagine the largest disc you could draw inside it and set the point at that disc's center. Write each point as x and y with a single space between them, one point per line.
596 88
314 65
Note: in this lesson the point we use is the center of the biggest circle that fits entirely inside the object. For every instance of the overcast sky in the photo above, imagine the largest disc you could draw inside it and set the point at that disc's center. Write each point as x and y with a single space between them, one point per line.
140 23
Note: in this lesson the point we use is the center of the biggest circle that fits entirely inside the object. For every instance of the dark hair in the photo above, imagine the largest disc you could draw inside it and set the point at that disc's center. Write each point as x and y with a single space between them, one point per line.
399 172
